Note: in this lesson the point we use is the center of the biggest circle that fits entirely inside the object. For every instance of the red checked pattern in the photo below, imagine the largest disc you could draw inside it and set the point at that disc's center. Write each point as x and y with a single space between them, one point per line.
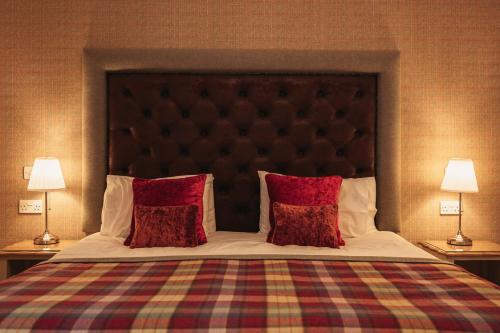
249 296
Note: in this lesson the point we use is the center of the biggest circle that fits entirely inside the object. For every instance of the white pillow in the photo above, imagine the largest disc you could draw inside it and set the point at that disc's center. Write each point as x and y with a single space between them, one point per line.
356 206
117 206
264 224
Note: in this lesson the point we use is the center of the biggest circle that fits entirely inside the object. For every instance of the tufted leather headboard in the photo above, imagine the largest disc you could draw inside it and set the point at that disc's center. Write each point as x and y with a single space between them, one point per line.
232 125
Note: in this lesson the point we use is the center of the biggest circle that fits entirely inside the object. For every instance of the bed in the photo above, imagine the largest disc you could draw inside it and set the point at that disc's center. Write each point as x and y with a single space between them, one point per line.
232 125
237 281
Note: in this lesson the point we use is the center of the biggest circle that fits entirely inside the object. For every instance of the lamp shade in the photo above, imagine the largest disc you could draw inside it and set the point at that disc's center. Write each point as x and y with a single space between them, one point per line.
46 175
459 176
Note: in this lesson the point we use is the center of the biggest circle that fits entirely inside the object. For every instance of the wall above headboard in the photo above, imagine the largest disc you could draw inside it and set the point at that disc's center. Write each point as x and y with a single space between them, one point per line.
385 64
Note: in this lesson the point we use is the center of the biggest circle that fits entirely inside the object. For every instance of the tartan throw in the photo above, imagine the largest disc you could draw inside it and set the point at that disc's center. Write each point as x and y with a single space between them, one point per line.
249 296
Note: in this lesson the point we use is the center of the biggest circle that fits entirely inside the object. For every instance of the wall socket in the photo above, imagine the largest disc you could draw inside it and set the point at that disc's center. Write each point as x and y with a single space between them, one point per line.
30 206
27 172
449 207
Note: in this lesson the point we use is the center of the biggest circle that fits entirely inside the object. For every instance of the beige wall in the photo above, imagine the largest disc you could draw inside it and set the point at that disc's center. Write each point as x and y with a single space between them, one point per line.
450 86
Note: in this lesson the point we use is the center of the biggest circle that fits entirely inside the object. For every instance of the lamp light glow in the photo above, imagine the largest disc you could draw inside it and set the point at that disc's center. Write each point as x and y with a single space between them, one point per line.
46 175
460 177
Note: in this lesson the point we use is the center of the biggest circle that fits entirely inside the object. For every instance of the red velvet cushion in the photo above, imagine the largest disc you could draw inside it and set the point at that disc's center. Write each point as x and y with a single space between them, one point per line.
159 226
170 192
305 225
302 191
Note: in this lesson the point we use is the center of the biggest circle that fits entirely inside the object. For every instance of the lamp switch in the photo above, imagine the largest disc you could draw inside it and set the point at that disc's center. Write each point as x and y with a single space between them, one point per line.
449 207
30 206
27 172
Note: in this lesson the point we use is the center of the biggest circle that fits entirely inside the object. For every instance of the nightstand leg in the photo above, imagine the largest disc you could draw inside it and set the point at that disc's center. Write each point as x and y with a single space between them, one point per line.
3 269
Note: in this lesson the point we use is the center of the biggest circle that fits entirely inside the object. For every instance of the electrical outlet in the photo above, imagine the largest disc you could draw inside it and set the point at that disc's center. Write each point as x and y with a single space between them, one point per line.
30 206
449 207
27 172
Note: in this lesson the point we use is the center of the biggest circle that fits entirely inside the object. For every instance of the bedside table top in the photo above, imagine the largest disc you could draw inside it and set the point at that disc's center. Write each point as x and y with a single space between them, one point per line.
483 249
27 247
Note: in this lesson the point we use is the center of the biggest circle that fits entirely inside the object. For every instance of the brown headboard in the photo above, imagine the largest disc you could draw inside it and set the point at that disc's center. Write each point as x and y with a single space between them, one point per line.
232 125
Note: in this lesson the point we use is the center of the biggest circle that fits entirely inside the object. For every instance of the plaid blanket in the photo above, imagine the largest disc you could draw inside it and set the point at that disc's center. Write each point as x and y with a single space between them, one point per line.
249 296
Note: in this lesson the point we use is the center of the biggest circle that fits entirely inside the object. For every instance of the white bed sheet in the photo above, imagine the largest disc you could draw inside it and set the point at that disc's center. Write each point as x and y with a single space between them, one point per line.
376 245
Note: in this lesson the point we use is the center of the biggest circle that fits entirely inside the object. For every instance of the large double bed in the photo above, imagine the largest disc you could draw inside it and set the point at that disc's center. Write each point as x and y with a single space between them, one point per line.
232 125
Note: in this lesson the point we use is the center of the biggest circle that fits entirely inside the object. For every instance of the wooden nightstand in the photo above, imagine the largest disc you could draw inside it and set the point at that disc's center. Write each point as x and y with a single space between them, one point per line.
482 258
20 256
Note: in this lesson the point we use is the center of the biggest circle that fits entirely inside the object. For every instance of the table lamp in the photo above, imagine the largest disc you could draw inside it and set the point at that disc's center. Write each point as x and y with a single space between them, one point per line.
459 177
46 176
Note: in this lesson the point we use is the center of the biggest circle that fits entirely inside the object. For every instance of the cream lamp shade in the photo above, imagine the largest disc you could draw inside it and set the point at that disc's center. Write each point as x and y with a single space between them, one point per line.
46 175
459 176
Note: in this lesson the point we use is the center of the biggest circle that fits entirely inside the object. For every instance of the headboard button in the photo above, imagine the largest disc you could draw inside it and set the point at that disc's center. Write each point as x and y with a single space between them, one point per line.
282 132
359 94
185 114
204 132
223 113
243 93
301 114
243 132
164 170
320 93
262 151
282 93
339 113
263 113
243 169
147 113
165 132
224 152
165 93
204 93
340 152
184 151
321 132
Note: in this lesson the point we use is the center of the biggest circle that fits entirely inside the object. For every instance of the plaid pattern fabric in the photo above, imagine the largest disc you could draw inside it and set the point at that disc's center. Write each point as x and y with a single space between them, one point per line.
249 296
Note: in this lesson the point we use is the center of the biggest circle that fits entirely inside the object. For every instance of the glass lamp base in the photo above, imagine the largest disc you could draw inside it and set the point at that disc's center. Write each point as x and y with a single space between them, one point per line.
46 239
460 240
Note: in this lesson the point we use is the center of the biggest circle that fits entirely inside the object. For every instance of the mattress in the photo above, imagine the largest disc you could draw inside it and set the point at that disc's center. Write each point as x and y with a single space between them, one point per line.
373 246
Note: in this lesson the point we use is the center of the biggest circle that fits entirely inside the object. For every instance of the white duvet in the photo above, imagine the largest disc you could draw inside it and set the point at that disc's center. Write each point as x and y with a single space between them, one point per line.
373 246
